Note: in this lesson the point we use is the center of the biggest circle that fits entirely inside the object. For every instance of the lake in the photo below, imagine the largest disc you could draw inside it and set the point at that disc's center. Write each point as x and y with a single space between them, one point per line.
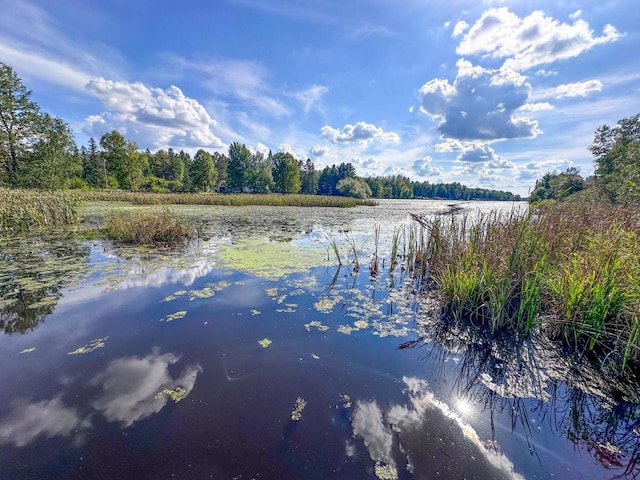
253 354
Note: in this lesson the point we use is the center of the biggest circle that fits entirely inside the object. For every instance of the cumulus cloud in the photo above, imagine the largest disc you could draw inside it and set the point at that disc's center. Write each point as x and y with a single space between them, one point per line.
460 28
424 168
318 151
481 104
535 170
311 96
361 132
477 153
578 89
530 41
162 117
285 148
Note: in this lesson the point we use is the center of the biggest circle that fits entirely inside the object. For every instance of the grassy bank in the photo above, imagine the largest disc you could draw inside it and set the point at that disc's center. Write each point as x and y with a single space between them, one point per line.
27 209
571 270
273 199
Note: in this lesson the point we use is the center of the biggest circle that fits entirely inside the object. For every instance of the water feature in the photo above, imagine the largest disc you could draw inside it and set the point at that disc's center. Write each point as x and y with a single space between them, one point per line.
253 354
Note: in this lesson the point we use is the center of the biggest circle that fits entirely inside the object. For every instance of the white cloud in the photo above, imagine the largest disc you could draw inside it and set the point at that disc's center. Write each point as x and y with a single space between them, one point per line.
460 28
578 89
477 153
285 148
424 168
546 73
130 386
530 41
49 418
311 96
535 107
318 151
156 116
535 170
361 132
242 80
481 104
576 14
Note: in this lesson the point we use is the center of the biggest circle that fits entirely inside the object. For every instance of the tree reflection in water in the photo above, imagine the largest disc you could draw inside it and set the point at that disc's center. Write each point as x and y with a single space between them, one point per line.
34 268
595 409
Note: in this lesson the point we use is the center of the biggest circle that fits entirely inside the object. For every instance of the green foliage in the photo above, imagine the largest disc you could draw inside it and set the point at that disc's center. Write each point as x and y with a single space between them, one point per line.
260 176
18 119
144 227
556 186
203 172
53 159
238 167
616 152
27 209
122 160
286 173
353 187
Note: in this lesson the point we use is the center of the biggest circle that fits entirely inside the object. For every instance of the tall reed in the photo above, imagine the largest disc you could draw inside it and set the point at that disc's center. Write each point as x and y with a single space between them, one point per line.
570 269
27 209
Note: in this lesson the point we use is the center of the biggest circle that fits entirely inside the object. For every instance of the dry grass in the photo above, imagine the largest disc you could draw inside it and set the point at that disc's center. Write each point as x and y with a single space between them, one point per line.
158 226
27 209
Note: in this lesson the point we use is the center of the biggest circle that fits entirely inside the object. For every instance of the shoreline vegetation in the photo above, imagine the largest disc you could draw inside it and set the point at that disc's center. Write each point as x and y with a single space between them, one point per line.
570 271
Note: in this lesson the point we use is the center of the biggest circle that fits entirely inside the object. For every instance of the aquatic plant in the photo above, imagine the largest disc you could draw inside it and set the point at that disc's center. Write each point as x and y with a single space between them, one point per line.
27 209
223 199
570 269
158 226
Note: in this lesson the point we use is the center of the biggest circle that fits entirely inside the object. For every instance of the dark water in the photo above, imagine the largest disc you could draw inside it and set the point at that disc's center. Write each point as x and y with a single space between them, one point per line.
151 367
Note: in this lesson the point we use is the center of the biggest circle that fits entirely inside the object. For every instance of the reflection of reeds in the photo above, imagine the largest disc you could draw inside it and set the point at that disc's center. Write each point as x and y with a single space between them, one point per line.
222 199
351 241
373 266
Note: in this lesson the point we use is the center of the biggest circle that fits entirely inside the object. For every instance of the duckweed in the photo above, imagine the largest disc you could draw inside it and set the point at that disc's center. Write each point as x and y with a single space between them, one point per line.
90 347
265 342
316 324
28 350
296 413
174 316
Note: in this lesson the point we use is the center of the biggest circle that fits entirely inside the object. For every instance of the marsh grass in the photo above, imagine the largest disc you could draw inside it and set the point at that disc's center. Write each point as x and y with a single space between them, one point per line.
26 209
223 199
156 226
572 270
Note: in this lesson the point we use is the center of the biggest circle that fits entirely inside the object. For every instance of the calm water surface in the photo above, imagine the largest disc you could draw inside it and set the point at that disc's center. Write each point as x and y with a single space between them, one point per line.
254 355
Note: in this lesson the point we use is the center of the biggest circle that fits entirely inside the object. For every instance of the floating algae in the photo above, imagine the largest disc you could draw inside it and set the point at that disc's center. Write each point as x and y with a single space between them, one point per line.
360 324
265 342
174 316
315 357
28 350
316 324
270 259
344 400
175 295
346 329
206 292
272 292
385 471
255 312
325 305
286 310
90 347
296 413
176 395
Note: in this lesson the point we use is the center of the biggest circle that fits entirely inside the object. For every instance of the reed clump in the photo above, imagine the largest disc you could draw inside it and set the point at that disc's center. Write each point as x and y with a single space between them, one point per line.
26 209
156 226
238 200
570 269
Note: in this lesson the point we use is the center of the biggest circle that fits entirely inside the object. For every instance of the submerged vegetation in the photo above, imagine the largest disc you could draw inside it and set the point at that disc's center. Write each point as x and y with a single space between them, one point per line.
27 209
159 226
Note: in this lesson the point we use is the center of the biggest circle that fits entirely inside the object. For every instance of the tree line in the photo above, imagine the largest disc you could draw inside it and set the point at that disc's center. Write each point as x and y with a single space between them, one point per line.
616 161
38 150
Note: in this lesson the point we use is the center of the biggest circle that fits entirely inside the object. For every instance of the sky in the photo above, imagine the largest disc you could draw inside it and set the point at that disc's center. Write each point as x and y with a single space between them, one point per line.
490 94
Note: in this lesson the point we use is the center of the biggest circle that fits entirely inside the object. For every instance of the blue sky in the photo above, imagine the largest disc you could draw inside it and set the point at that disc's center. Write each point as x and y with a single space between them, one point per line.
491 94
